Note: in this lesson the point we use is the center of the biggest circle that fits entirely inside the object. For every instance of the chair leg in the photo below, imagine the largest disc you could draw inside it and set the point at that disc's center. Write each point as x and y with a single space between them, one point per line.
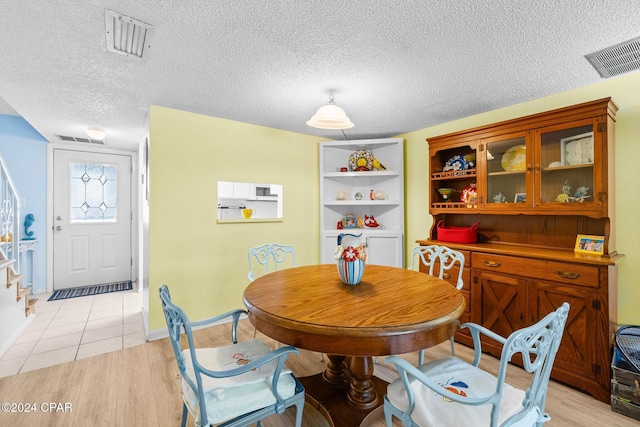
420 357
299 409
185 412
453 350
388 416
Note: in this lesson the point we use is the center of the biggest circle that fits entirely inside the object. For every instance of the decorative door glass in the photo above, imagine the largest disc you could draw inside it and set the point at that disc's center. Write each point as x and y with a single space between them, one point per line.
93 192
507 171
566 163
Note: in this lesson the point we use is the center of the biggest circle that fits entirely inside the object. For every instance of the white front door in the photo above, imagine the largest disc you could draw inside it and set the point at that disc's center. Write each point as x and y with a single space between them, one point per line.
91 218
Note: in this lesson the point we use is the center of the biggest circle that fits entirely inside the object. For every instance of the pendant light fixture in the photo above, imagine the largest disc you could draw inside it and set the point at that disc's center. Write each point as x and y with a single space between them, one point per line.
330 116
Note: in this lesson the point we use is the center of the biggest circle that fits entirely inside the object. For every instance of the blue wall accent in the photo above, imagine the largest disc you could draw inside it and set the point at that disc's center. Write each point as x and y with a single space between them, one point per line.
25 153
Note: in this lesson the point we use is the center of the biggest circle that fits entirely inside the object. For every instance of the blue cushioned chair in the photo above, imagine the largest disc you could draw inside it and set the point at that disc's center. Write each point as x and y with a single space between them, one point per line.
451 392
231 386
270 256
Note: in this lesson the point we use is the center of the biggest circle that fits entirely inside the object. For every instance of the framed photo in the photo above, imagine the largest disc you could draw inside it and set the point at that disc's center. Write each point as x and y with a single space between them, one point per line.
577 150
586 244
520 198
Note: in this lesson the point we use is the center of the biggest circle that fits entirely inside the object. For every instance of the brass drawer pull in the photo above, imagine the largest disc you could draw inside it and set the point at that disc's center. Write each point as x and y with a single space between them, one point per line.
493 264
566 274
446 276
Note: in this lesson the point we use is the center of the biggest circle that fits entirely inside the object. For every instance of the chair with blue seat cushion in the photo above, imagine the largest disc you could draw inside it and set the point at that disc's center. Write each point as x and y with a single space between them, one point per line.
445 258
270 256
451 392
231 386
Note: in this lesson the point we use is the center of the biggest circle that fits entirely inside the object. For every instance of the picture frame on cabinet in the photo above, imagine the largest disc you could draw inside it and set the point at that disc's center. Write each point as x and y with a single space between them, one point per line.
577 150
520 198
587 244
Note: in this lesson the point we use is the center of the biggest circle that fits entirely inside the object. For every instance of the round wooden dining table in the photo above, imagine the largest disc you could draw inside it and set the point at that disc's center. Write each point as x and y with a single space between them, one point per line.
391 311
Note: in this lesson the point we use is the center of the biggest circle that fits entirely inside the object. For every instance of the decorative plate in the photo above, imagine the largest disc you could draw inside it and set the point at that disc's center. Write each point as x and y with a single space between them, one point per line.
456 163
515 159
361 160
469 194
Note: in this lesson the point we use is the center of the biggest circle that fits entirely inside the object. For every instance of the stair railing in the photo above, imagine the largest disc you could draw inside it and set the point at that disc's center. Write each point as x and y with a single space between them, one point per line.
9 217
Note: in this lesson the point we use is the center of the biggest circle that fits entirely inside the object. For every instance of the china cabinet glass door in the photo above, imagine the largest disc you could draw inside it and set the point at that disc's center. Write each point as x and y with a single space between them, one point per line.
566 166
507 168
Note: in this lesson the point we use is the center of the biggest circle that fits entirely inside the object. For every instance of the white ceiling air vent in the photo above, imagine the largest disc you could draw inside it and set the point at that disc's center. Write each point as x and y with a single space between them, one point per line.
76 139
126 35
618 59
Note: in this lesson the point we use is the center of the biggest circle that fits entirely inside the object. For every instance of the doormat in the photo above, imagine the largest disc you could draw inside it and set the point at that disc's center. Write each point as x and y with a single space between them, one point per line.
90 290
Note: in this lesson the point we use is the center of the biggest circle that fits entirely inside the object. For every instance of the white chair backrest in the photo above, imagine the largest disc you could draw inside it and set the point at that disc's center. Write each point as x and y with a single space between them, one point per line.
431 255
270 256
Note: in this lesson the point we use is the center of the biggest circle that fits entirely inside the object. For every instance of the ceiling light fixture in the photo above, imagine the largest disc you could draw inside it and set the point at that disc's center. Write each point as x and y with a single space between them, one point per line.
96 133
330 116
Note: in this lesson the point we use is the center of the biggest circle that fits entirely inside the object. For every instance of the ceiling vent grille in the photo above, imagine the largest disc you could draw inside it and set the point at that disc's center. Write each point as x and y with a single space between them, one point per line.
618 59
126 35
76 139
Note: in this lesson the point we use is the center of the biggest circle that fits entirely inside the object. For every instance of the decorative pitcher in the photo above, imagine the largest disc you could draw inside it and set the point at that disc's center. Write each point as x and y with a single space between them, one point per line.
350 256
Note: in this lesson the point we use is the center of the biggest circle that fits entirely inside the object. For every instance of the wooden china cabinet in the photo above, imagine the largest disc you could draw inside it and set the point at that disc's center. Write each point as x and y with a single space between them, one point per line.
534 184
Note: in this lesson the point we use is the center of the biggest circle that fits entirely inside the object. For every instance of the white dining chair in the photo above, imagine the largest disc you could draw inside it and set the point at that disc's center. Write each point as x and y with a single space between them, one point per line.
270 256
444 259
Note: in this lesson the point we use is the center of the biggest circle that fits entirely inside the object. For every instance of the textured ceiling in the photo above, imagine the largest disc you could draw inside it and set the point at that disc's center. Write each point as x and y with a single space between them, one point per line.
394 66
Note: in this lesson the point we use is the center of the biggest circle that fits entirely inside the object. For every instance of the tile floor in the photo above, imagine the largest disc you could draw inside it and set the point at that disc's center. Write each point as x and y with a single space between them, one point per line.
76 328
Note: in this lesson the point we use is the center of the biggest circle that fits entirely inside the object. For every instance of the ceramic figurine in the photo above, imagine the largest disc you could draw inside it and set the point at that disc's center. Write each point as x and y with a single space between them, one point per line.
28 222
581 192
499 198
370 221
350 221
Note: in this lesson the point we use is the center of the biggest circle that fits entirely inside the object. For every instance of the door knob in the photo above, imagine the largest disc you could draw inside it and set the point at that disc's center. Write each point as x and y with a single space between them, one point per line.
58 228
59 218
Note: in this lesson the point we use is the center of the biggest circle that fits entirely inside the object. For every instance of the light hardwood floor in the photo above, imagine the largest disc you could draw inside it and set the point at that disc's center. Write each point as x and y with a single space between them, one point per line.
140 386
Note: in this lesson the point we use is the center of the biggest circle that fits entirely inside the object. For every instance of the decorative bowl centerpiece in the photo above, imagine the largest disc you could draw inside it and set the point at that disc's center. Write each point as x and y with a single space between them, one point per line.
446 193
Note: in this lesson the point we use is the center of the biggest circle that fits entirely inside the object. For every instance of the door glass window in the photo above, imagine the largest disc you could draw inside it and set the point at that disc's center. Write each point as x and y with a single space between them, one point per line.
506 171
93 192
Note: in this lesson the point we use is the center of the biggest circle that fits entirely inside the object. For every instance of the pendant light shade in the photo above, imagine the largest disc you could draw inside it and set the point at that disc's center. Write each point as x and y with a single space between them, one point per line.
330 116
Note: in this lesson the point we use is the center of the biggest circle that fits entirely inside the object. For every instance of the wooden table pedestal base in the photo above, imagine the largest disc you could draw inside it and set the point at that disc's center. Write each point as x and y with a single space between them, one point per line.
345 396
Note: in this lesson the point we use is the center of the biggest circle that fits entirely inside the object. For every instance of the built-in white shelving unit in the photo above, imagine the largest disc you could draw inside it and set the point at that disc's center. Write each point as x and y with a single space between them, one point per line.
338 198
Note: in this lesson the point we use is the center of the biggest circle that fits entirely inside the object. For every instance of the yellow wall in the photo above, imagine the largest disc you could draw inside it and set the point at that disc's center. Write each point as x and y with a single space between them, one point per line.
625 90
205 263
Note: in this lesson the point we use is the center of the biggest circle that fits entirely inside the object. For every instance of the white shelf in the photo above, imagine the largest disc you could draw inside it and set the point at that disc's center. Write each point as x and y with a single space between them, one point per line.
362 203
361 174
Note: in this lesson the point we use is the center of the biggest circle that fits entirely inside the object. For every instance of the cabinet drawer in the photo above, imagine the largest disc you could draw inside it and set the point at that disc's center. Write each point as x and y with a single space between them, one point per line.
575 274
